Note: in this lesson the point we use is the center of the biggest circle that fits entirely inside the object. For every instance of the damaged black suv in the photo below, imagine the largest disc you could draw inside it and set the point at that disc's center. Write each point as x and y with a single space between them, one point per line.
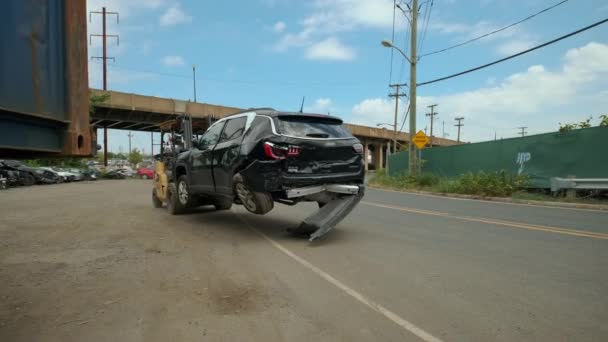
262 156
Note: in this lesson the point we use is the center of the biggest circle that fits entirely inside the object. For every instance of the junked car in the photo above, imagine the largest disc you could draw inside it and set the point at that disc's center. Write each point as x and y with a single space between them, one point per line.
263 156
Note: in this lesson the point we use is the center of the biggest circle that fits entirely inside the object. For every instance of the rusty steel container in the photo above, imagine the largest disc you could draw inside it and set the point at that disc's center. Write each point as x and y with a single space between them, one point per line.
44 79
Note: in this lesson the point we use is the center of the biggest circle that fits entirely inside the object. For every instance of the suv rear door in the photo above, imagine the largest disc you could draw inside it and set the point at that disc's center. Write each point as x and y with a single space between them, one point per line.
202 160
226 153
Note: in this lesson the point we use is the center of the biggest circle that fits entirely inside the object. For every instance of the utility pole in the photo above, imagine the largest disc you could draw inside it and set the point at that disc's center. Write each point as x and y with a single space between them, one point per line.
396 95
194 80
130 135
104 59
459 124
413 61
443 129
523 131
432 115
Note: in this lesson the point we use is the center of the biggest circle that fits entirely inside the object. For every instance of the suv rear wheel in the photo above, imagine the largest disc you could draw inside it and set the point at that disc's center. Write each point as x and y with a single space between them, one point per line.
255 202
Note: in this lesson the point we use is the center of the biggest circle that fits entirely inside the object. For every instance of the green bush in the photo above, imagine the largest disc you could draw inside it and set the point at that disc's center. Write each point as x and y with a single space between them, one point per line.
482 183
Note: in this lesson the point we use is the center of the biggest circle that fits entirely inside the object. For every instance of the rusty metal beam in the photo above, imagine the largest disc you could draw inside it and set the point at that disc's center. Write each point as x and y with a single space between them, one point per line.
114 124
133 125
77 137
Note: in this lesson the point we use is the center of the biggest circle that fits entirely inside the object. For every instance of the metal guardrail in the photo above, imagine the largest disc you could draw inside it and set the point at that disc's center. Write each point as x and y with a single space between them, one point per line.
579 183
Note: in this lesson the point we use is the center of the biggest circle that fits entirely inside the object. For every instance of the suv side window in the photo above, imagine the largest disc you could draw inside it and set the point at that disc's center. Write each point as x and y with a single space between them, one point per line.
234 129
211 137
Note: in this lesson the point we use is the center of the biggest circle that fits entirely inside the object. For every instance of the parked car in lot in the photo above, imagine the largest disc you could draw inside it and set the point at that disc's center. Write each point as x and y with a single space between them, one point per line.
56 175
10 175
65 175
47 176
78 175
145 173
27 175
90 174
117 174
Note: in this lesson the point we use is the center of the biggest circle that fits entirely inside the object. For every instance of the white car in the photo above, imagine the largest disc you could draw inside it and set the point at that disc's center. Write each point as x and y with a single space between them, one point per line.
65 175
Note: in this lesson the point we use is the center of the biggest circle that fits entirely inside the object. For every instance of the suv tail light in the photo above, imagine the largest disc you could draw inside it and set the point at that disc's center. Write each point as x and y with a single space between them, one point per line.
358 148
275 151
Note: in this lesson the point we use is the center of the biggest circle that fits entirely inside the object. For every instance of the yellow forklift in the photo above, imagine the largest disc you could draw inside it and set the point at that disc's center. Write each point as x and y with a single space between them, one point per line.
175 136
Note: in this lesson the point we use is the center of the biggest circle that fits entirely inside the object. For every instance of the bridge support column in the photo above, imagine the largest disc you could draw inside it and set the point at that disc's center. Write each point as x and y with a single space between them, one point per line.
379 156
365 154
105 146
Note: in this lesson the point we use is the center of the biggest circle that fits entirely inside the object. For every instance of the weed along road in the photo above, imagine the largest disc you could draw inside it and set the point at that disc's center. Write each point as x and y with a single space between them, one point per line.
95 262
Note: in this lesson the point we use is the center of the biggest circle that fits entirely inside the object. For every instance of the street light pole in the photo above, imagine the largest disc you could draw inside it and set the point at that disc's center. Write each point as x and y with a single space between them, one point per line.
412 59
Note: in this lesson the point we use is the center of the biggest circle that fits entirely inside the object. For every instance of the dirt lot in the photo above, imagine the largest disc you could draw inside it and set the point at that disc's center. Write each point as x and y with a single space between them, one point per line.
93 261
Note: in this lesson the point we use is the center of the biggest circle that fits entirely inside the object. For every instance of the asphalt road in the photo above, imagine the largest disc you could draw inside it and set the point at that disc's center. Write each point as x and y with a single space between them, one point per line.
95 262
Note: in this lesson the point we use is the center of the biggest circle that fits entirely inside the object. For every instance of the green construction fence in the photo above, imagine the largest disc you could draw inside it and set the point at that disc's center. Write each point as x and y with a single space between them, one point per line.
582 153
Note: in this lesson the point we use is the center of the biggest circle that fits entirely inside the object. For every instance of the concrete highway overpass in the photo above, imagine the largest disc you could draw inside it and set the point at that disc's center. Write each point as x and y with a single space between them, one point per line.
144 113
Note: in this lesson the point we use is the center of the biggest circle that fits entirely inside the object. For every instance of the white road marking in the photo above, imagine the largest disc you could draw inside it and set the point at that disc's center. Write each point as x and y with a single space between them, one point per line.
488 201
410 327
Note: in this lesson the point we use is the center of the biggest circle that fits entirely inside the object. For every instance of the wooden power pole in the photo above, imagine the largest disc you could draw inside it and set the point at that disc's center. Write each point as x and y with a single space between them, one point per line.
104 59
432 115
396 95
459 124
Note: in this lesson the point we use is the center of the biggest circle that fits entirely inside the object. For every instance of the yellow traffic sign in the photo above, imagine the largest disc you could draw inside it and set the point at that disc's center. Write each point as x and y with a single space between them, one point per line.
420 140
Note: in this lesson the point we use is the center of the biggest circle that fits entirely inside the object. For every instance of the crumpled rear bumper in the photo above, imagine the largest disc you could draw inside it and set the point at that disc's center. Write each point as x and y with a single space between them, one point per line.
267 176
333 212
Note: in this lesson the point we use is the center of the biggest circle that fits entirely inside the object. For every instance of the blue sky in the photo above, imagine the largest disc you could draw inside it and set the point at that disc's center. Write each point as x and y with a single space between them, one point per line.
270 53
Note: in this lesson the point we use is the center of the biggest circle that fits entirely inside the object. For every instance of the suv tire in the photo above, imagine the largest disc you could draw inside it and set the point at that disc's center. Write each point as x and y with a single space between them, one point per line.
255 202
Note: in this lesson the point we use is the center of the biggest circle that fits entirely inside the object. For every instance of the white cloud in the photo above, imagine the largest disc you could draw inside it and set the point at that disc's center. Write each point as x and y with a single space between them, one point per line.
330 49
537 97
331 17
509 41
116 76
373 111
279 27
514 46
173 16
173 60
321 105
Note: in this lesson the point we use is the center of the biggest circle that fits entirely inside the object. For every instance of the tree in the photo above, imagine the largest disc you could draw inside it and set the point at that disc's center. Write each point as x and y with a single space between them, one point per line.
583 124
135 157
95 99
604 120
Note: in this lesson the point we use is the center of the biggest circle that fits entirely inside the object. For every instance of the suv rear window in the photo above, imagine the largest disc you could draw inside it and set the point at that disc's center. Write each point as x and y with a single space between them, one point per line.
312 127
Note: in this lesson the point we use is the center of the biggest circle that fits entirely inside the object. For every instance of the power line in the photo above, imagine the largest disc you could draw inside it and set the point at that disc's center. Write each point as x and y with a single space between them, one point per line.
357 83
495 31
407 112
517 54
426 23
390 77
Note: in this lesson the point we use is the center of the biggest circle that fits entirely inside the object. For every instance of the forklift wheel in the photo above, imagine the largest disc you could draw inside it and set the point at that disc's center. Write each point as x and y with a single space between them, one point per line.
156 202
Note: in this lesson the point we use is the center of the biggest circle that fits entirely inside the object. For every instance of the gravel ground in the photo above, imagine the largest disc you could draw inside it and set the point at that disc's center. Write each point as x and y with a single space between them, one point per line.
93 261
